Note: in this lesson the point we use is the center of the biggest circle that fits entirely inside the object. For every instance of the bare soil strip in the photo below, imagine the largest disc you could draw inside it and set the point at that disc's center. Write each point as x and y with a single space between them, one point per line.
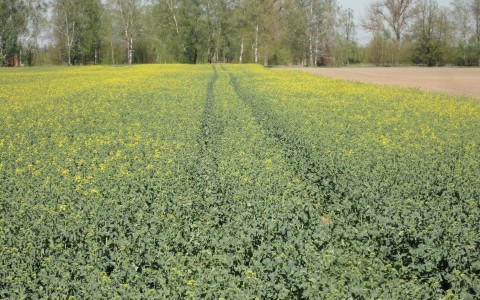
456 81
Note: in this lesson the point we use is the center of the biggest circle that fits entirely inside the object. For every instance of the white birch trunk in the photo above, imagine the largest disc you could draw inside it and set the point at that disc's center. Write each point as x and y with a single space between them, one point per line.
113 52
310 30
69 56
241 52
311 50
256 44
130 51
69 39
176 26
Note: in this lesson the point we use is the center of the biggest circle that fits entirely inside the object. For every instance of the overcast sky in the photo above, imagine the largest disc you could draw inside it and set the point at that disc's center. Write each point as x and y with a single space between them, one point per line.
359 6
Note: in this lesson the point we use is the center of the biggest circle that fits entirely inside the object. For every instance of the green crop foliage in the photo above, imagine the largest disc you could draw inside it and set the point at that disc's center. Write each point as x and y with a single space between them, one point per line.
234 182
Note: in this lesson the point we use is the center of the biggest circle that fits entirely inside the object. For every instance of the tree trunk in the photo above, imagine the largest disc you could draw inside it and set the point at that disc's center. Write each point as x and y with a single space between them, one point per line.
69 43
130 51
241 52
311 19
69 50
113 52
477 26
256 44
311 51
176 29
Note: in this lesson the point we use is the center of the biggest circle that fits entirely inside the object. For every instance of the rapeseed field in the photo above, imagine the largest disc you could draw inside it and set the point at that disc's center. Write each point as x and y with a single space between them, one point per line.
234 182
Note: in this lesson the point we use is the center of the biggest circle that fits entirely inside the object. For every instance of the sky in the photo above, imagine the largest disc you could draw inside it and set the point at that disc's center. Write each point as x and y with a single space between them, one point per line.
359 7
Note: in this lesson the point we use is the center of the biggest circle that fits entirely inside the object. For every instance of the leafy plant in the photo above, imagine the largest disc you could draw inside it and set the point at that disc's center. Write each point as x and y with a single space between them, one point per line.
234 182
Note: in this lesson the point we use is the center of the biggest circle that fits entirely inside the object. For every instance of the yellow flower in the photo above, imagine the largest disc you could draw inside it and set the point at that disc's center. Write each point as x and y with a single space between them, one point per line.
191 282
385 141
250 274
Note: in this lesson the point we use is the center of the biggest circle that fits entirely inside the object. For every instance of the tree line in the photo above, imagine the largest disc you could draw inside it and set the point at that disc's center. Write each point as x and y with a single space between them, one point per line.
423 32
270 32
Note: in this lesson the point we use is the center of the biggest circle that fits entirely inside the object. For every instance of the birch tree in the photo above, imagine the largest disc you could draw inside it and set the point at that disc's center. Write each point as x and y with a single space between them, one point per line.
313 22
320 16
36 21
13 24
271 30
193 28
216 27
66 20
184 26
129 13
174 7
255 11
240 21
91 29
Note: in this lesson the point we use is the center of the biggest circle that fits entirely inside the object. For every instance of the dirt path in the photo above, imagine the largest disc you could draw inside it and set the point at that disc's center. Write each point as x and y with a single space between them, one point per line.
457 81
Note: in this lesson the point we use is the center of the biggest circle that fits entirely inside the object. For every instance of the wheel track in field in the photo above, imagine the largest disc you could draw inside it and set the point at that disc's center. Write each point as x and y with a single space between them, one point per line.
296 153
211 130
202 173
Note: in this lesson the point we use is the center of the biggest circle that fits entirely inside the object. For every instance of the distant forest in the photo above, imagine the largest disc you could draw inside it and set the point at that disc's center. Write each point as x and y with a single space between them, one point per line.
269 32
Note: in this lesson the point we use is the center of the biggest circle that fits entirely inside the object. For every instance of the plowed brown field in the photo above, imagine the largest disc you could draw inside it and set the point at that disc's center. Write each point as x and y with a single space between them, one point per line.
458 81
